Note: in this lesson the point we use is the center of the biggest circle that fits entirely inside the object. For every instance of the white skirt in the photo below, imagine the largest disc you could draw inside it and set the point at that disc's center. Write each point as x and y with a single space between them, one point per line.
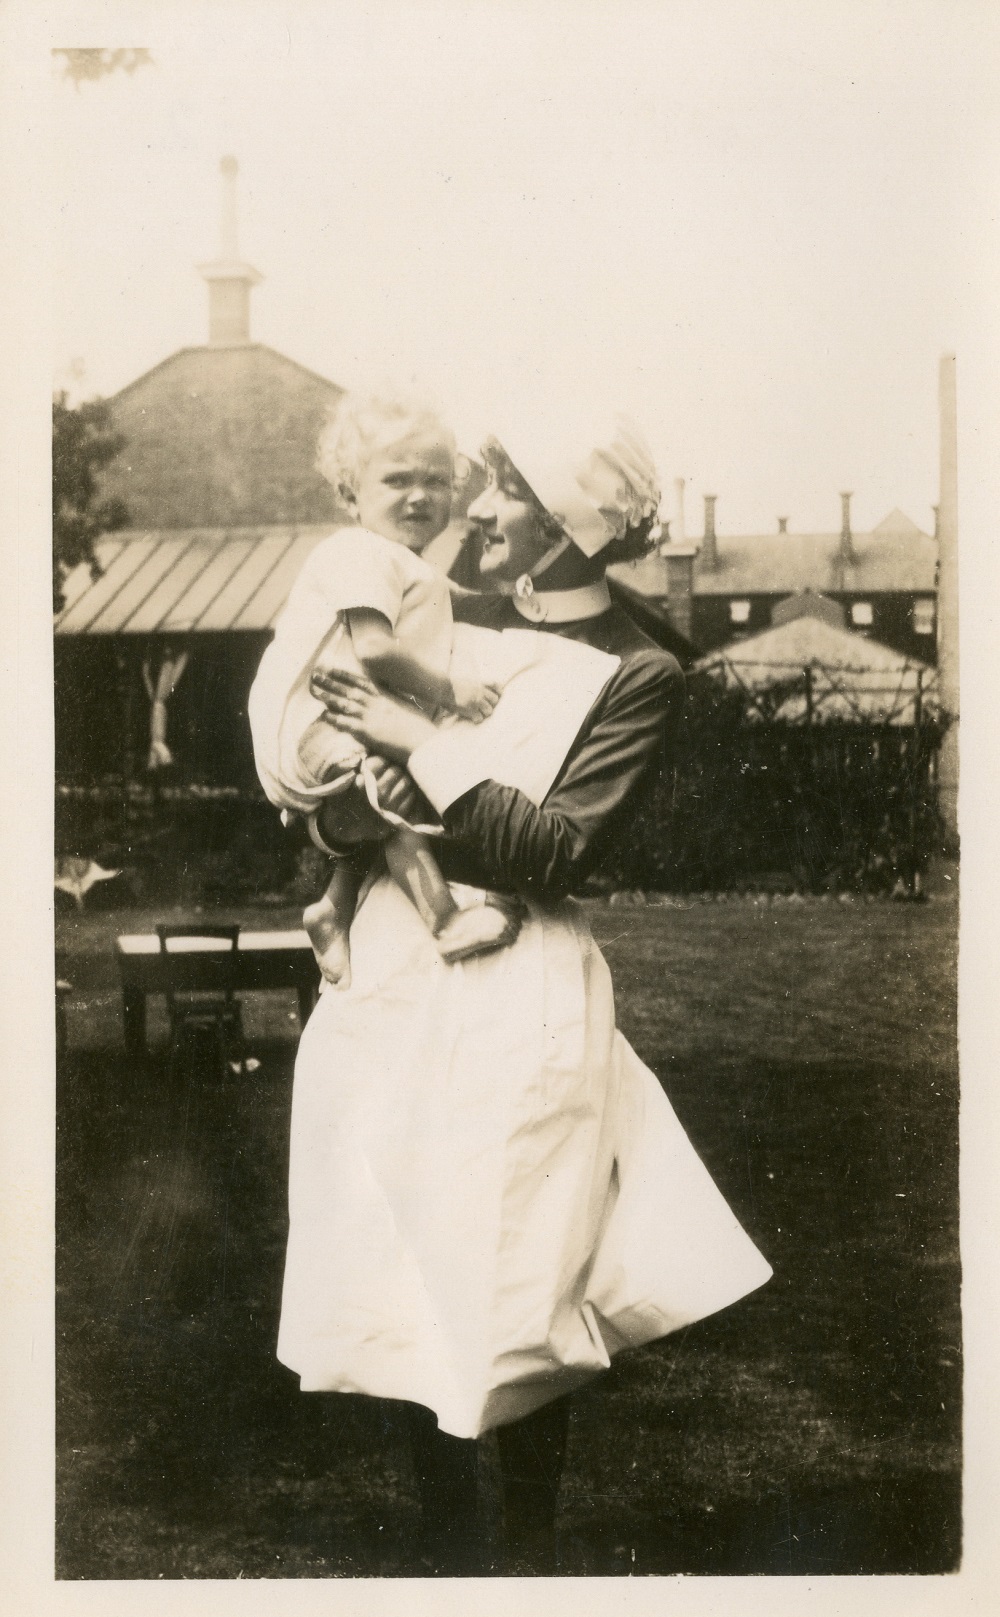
489 1192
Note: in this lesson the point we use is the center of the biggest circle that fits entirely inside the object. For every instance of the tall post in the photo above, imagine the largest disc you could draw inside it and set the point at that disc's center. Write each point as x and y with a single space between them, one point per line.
918 785
947 608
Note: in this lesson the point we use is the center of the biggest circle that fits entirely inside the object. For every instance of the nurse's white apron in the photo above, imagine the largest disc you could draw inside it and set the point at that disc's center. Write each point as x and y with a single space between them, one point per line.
489 1192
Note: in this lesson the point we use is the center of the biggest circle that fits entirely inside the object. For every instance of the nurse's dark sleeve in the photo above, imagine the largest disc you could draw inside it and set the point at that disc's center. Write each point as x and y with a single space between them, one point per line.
545 852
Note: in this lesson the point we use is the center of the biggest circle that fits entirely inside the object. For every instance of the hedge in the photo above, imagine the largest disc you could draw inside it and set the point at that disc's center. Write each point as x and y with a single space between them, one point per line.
750 806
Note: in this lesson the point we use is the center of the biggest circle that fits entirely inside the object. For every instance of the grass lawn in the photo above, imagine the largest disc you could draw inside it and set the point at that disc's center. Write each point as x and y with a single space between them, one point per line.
813 1428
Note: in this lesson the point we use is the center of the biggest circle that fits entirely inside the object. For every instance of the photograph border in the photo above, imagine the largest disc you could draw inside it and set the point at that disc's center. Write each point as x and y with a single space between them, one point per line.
27 1497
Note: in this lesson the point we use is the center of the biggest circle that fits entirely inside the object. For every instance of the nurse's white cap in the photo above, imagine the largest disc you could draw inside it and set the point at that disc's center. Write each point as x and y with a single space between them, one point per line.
597 479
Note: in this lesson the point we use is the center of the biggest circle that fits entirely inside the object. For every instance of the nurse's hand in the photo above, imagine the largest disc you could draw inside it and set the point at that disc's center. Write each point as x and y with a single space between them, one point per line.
381 723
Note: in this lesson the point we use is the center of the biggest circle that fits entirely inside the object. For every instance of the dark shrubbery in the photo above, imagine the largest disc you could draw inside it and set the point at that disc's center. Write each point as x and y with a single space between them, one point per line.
831 806
83 443
757 806
181 844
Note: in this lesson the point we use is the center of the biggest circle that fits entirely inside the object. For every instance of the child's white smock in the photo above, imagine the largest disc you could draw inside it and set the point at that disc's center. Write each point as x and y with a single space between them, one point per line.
548 685
350 569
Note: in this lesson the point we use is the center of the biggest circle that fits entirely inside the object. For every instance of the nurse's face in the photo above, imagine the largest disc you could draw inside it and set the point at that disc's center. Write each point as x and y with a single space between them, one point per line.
515 536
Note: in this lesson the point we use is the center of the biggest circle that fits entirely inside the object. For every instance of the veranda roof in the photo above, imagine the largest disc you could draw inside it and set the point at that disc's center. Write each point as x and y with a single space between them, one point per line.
808 667
188 580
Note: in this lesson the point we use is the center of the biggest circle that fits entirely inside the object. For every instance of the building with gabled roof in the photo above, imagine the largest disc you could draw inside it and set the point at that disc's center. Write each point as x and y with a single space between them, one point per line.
219 479
724 587
219 441
222 436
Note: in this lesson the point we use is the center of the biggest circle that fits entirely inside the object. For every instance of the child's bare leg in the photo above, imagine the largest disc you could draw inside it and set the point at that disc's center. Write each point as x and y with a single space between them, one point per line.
459 933
348 829
328 922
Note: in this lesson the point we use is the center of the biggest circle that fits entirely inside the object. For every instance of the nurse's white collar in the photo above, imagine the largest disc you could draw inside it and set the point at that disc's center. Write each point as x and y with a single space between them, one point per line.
565 606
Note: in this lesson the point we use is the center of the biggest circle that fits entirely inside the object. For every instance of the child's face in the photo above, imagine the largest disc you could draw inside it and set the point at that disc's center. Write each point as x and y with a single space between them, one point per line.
405 488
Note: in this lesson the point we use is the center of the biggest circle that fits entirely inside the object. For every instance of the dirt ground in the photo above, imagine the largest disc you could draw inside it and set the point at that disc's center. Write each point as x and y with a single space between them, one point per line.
809 1049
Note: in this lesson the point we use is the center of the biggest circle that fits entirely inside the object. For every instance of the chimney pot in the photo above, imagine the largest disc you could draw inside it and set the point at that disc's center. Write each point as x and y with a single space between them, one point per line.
782 524
680 587
845 519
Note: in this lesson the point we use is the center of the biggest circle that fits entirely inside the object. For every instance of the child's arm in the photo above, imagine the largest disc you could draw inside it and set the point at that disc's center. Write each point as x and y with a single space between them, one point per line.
390 664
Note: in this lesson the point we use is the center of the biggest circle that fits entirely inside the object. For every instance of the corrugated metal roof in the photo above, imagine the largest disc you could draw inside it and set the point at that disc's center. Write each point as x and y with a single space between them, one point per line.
118 563
886 561
191 603
194 580
272 591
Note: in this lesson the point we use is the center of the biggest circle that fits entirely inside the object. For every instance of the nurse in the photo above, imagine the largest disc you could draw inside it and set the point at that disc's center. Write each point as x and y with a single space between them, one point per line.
490 1195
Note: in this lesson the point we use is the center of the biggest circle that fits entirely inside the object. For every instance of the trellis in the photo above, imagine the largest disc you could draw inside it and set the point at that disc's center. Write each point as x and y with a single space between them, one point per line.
818 691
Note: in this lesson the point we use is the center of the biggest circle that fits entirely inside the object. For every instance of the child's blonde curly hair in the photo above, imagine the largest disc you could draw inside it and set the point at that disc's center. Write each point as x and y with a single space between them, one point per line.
362 422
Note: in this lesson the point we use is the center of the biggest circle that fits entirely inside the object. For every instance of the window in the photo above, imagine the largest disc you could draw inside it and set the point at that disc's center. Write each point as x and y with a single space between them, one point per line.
861 614
739 611
923 617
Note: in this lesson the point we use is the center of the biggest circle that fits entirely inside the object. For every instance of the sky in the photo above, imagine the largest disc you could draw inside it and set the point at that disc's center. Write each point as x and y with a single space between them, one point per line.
747 224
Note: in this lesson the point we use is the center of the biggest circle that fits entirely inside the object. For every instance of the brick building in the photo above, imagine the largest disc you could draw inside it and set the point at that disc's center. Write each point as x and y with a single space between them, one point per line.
723 588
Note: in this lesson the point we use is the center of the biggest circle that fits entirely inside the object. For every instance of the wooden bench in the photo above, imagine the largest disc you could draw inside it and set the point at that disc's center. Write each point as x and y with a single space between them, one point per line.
266 961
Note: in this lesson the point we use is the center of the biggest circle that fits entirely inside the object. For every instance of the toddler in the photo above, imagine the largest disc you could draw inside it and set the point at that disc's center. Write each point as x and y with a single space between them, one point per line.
367 600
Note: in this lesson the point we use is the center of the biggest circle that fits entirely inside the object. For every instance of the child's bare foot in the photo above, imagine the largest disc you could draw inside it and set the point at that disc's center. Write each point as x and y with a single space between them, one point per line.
329 938
479 930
